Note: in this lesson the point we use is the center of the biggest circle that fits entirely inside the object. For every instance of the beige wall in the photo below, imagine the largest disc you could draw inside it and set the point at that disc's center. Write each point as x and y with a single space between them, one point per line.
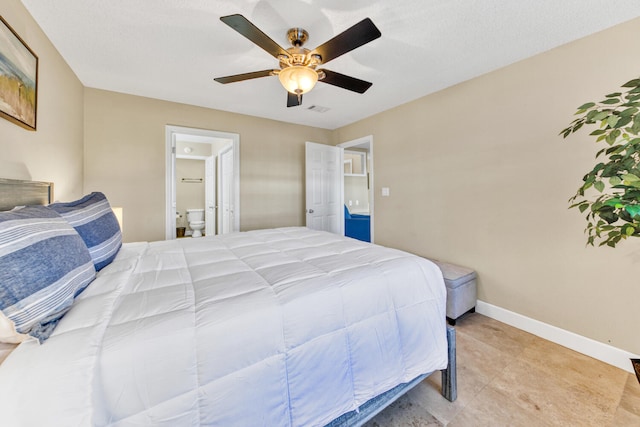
125 158
189 195
478 176
54 151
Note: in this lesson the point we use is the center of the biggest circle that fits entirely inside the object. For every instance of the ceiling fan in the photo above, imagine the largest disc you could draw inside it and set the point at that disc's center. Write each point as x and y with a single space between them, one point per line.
299 70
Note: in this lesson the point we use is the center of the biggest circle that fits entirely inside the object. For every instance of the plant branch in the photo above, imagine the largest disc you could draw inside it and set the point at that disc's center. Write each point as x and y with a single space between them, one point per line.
615 214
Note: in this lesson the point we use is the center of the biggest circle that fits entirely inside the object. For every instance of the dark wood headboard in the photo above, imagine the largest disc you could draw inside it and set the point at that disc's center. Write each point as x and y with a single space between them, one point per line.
14 192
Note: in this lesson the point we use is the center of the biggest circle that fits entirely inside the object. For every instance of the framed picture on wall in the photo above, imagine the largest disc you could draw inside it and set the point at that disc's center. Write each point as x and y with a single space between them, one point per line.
18 78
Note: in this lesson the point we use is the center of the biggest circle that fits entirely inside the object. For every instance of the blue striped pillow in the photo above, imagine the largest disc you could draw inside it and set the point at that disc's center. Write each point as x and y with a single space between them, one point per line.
44 264
96 223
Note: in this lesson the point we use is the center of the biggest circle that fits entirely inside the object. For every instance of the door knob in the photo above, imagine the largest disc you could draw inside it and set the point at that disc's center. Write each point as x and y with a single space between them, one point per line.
310 210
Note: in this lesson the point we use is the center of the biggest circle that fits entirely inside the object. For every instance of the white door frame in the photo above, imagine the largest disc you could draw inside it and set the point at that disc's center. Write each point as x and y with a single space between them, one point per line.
368 142
170 172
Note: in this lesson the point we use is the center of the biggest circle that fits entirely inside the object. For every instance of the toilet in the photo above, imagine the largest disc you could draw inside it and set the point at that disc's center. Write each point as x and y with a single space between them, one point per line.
195 217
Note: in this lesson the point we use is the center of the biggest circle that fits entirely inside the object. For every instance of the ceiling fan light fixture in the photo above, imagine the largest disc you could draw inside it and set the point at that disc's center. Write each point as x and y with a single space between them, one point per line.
298 73
298 79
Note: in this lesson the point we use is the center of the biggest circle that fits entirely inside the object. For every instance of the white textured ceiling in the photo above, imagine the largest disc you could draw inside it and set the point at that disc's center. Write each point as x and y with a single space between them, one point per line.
172 49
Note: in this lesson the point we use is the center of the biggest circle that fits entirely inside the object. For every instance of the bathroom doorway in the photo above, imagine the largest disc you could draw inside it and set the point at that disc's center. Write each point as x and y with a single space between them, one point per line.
358 187
203 172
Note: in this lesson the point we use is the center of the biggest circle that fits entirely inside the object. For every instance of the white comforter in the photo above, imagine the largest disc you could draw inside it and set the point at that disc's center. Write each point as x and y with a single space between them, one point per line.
265 328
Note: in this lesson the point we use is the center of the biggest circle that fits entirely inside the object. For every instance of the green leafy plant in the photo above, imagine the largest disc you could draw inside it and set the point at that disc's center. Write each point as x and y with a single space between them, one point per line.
615 213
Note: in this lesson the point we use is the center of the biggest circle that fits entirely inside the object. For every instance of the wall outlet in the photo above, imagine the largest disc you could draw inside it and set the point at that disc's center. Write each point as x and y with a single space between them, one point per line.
385 191
350 203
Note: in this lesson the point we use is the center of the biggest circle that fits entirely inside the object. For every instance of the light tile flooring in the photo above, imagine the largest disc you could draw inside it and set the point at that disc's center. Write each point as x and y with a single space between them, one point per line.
507 377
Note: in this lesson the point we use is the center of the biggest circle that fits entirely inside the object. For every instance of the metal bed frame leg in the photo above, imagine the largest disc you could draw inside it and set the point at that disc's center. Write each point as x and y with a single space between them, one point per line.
449 375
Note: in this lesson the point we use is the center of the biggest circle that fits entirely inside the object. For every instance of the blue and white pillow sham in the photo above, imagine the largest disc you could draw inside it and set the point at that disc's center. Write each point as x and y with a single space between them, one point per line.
44 264
96 223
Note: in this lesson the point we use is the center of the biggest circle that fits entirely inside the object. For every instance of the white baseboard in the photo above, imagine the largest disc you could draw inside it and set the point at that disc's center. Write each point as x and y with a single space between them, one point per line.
603 352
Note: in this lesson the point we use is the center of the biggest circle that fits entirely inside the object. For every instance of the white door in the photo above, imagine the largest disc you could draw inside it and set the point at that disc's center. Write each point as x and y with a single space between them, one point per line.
210 196
225 191
324 187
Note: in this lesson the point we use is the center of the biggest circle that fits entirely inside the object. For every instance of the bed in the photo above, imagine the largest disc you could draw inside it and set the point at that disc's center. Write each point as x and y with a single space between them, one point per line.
287 326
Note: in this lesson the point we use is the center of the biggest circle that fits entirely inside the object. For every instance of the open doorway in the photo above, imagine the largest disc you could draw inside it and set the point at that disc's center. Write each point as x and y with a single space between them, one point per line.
203 176
358 184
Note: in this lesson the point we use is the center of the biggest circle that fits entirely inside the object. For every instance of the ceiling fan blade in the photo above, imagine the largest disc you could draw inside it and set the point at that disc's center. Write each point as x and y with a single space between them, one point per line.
245 76
361 33
344 81
293 100
253 33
